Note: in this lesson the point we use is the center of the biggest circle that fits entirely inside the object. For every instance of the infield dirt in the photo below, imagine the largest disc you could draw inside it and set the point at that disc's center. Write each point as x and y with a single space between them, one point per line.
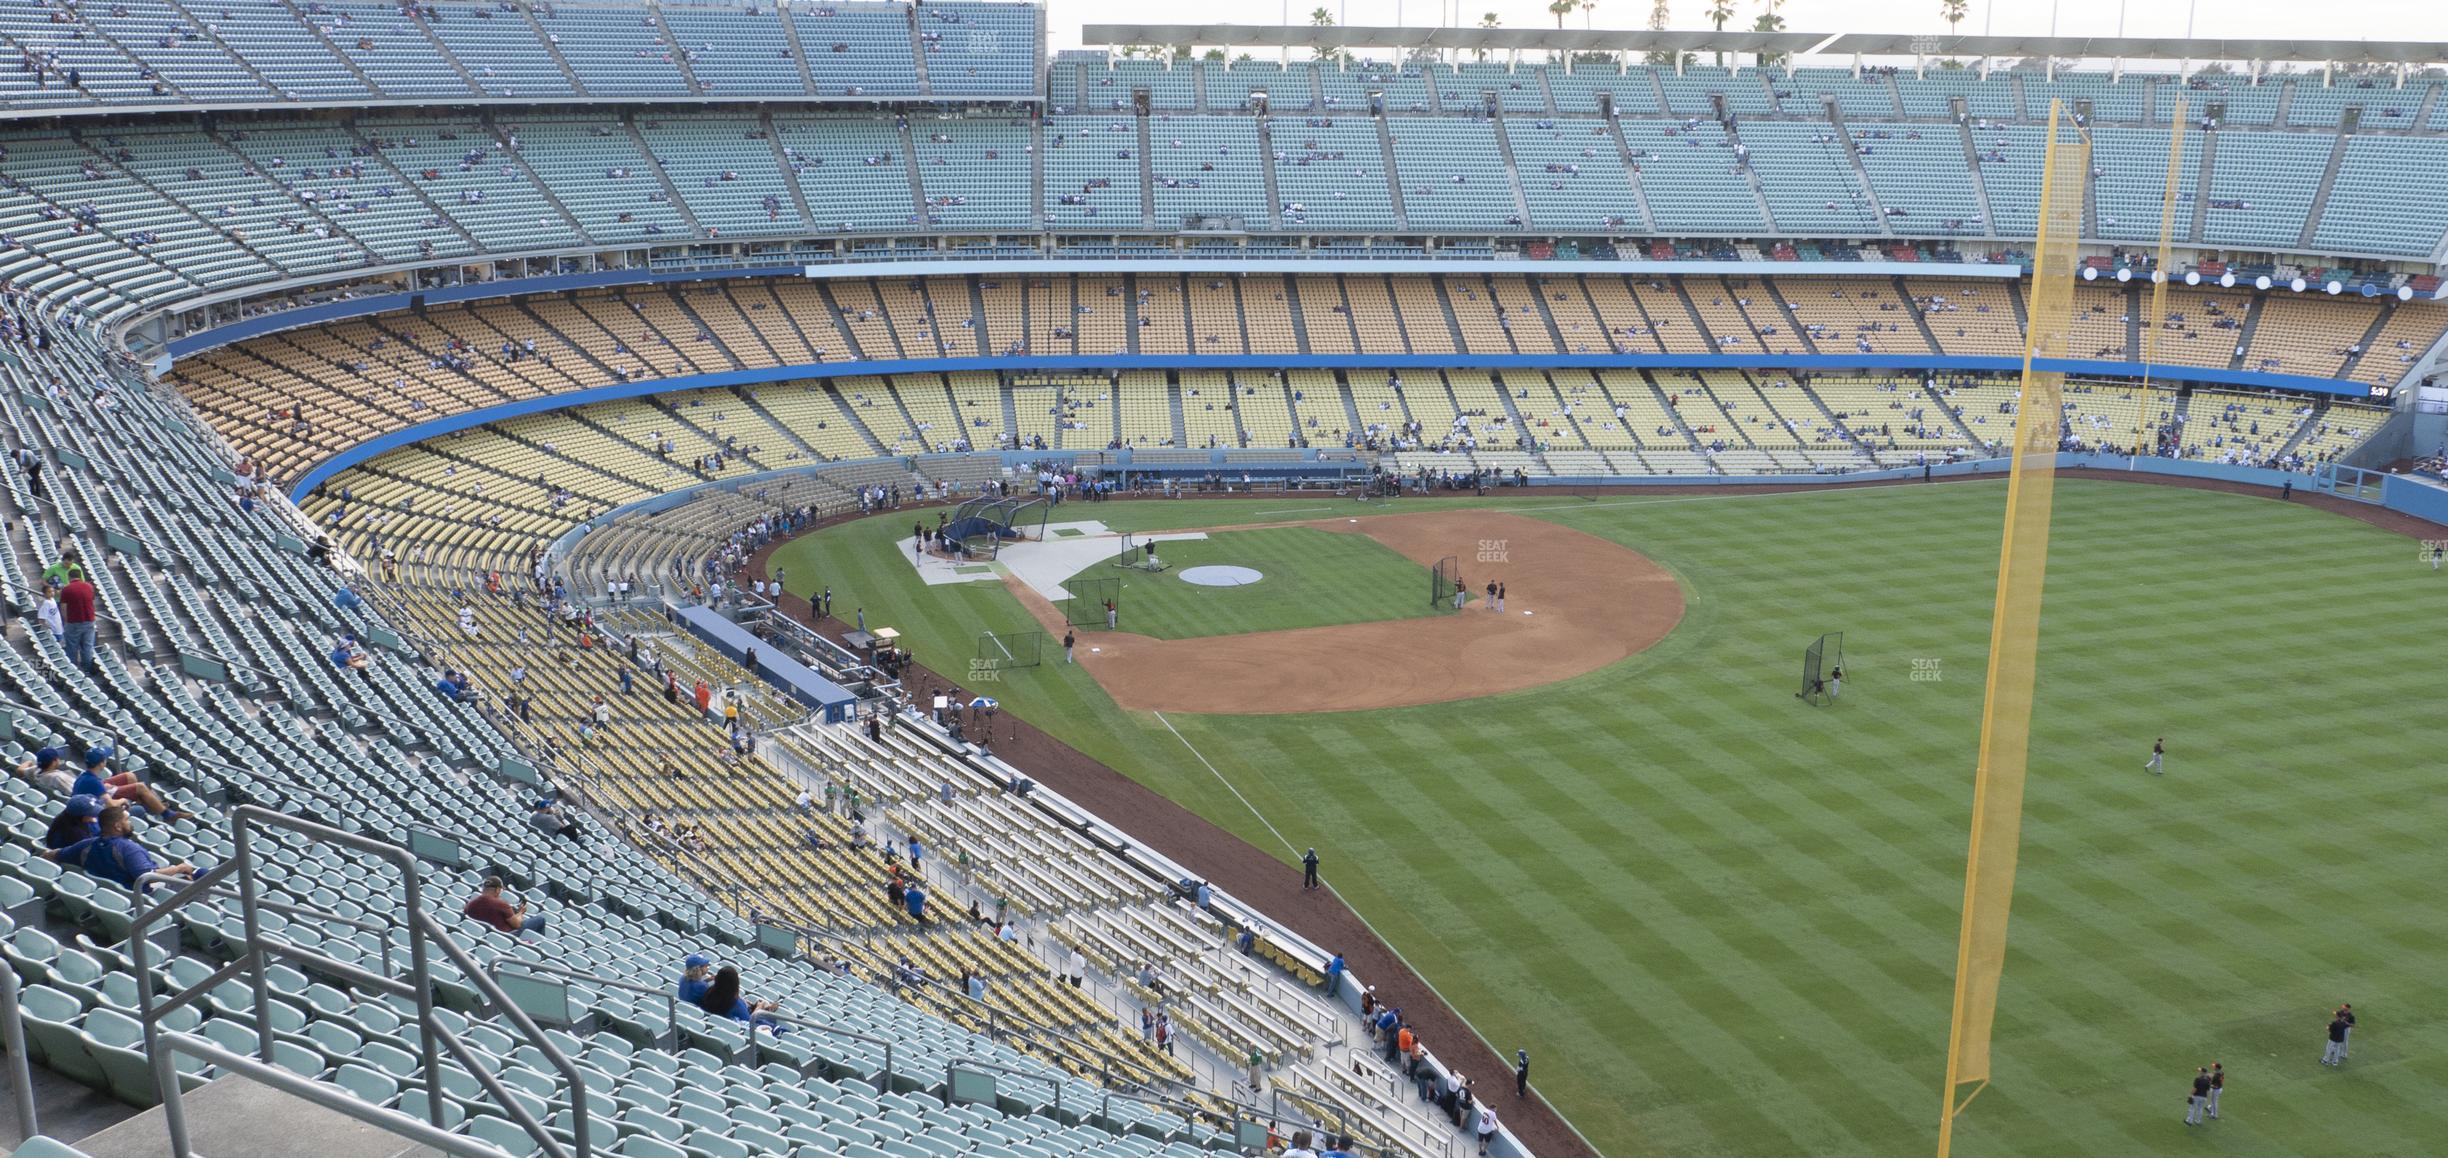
1573 603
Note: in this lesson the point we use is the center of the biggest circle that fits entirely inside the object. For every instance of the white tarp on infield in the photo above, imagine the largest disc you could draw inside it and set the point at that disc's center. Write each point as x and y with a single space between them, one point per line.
1067 550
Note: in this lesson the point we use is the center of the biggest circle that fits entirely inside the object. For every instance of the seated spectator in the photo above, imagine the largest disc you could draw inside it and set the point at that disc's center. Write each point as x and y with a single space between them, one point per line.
48 769
346 657
98 780
113 854
489 907
973 984
547 818
78 820
696 976
916 899
722 998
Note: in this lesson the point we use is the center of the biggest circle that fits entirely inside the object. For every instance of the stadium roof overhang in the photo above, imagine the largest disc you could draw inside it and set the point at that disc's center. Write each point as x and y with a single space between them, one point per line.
2412 52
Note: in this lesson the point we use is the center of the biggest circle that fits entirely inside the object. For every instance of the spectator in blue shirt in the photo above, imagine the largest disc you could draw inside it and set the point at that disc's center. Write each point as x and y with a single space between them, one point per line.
722 998
915 899
99 780
696 976
114 855
1334 975
346 657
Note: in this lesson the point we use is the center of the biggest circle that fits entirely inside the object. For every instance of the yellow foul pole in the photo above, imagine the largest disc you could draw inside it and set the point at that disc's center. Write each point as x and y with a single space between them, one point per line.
2014 631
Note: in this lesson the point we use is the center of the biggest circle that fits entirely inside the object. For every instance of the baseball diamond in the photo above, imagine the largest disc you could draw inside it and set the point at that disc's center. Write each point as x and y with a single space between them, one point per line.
878 579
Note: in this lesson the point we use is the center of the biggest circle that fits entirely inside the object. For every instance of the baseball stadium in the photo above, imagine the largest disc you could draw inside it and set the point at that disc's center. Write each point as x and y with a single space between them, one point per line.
710 578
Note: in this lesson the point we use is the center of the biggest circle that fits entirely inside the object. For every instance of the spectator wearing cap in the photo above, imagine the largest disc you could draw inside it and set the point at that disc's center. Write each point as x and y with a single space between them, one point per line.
696 976
76 601
48 770
112 854
546 818
99 780
488 907
346 657
79 819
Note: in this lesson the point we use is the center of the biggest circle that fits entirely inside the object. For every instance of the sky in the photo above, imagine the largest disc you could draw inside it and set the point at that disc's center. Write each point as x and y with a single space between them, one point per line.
2230 19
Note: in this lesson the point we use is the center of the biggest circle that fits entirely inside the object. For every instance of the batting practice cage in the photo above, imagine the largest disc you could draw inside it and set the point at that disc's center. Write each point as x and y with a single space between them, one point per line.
982 525
1086 606
1825 654
1443 579
1139 555
1004 651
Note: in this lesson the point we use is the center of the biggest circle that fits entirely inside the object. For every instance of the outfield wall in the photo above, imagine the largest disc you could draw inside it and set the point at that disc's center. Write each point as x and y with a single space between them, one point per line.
2422 499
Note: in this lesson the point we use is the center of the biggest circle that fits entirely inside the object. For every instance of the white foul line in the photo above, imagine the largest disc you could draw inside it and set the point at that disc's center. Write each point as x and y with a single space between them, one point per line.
1202 758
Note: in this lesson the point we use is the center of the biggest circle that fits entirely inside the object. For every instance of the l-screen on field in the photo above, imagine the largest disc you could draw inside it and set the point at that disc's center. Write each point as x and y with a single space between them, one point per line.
1724 921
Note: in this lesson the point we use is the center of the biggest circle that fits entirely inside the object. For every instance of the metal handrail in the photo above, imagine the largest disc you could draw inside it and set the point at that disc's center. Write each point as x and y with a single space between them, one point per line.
424 933
20 1073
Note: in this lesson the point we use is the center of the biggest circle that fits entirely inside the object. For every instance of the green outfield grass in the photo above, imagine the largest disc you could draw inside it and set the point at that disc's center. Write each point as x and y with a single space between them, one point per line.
1312 578
1724 923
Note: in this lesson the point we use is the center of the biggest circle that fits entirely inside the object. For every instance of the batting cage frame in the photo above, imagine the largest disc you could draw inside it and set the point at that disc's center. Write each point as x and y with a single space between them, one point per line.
1816 665
982 525
1139 554
1086 605
1443 580
1007 650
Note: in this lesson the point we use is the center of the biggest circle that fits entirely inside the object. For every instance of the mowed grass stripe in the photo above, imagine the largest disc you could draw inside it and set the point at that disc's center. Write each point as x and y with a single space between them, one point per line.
1308 578
1725 922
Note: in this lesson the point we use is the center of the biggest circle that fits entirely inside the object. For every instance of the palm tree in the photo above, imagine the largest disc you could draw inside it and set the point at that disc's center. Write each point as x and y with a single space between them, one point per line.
1587 7
1769 21
1488 20
1953 11
1561 8
1321 18
1721 11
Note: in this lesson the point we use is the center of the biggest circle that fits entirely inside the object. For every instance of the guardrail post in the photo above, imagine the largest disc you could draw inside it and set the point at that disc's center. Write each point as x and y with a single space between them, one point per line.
250 917
21 1075
420 974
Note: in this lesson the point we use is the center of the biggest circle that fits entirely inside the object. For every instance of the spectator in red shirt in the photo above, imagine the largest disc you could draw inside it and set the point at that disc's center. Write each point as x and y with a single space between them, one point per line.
76 603
489 907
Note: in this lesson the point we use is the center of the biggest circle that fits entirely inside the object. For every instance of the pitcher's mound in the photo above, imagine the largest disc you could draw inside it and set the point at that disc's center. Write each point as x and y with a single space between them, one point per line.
1221 575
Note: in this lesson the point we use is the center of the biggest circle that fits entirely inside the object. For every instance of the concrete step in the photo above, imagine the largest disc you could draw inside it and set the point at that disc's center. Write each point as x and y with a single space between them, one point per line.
233 1117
